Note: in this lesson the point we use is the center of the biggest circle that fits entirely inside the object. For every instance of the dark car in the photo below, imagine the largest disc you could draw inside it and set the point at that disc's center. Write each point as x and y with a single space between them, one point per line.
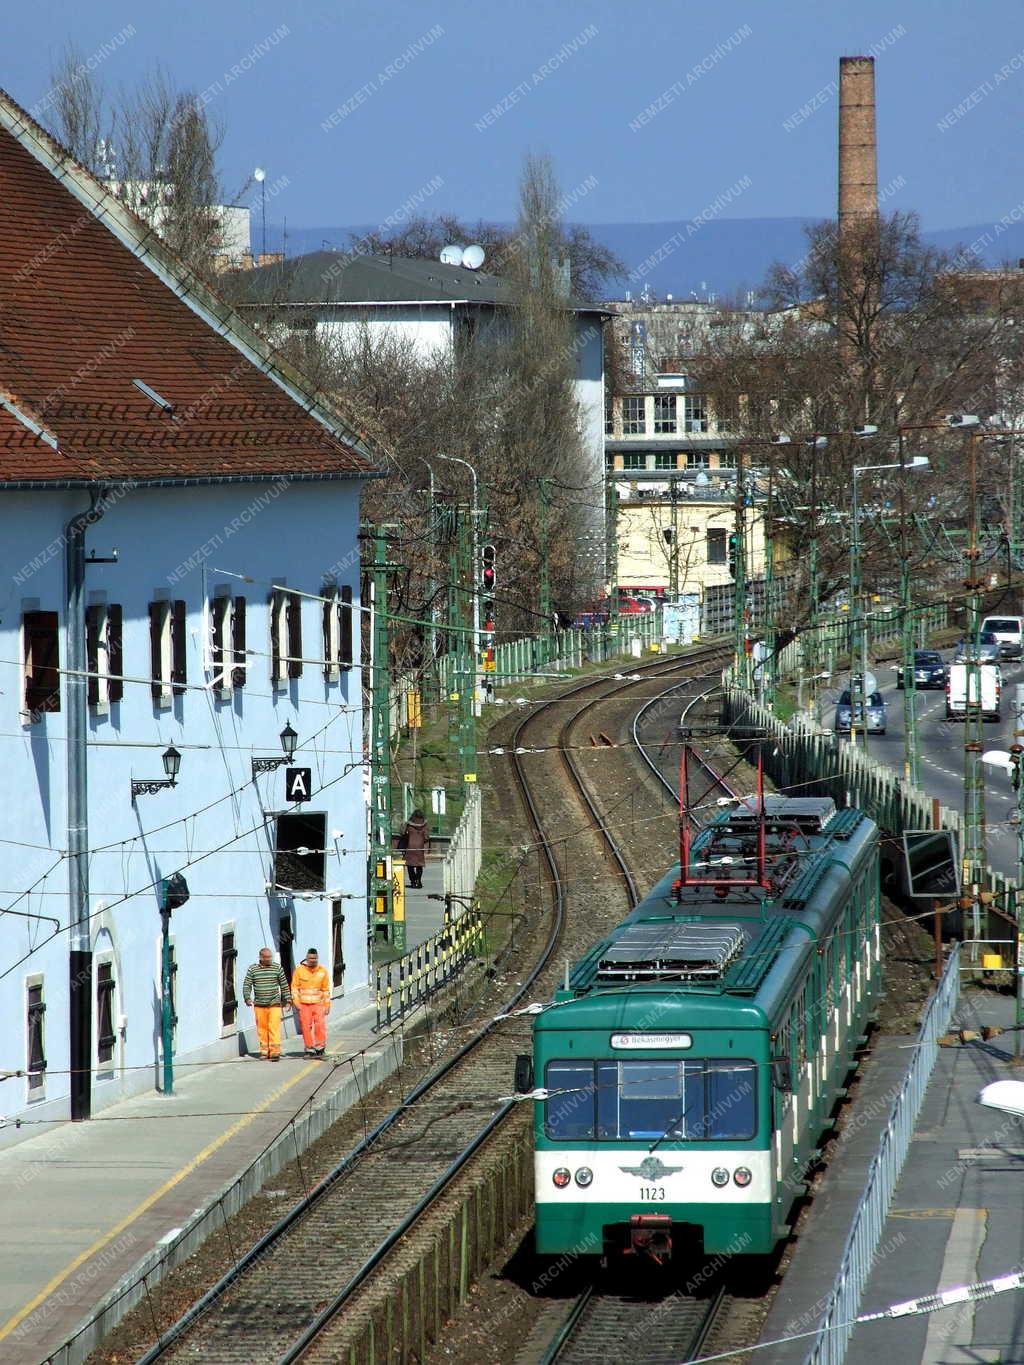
988 649
874 712
929 670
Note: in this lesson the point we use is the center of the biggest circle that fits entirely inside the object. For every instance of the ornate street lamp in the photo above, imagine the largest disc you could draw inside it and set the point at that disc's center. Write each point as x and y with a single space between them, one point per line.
150 786
289 742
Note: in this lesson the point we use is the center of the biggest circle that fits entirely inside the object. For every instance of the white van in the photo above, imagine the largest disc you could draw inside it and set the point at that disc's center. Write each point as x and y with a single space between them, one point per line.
990 683
1009 632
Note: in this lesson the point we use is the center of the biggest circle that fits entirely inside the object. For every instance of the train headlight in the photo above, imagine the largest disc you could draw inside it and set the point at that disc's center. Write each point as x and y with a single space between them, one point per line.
561 1177
584 1176
719 1177
742 1177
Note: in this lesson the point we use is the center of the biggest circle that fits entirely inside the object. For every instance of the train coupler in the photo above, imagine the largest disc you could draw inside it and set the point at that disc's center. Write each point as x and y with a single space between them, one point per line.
650 1234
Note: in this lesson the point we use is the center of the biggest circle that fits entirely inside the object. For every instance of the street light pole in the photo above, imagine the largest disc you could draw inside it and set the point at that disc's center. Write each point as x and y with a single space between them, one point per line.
475 552
911 770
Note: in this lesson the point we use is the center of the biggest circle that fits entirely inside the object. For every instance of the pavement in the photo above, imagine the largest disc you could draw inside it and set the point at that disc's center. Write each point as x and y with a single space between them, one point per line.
957 1215
98 1202
101 1202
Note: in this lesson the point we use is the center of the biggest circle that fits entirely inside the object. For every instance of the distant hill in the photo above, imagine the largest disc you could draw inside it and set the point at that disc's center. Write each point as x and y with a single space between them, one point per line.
724 257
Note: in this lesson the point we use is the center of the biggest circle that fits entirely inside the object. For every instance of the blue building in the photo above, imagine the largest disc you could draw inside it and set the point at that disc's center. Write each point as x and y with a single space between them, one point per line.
179 598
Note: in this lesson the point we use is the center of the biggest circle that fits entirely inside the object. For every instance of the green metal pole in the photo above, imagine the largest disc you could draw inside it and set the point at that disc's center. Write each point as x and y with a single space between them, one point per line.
466 590
769 664
166 1018
545 571
858 642
380 889
974 783
739 592
911 760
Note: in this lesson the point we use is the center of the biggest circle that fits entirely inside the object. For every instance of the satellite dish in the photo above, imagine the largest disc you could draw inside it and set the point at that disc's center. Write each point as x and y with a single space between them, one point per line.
259 174
473 257
451 255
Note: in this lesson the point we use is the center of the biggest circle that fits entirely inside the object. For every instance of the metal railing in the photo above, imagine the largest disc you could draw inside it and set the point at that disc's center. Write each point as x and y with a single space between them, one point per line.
815 762
836 1326
409 980
461 865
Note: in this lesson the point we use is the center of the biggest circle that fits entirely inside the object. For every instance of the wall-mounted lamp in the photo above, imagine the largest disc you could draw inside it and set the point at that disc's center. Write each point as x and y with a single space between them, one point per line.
149 787
289 741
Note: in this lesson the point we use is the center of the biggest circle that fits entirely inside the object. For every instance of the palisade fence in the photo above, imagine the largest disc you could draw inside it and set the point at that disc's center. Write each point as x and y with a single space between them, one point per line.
719 604
461 865
834 637
843 1305
808 761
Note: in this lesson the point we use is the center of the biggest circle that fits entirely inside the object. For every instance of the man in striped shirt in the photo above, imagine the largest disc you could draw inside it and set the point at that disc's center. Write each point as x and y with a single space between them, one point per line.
266 988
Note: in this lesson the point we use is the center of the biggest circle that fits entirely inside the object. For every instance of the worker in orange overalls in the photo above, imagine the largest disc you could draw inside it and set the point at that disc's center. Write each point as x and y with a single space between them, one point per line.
311 992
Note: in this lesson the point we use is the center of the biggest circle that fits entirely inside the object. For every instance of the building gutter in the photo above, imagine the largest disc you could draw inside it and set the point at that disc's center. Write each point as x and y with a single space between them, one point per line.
107 484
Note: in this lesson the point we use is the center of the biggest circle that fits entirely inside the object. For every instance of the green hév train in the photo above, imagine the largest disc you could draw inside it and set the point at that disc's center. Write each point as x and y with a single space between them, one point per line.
691 1064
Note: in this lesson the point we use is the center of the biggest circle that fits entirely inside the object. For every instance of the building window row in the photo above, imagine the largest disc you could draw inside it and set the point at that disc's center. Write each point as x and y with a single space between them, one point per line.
673 414
670 459
168 658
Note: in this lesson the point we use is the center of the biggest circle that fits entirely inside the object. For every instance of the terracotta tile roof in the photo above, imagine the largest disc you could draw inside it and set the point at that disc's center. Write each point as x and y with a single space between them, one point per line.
91 301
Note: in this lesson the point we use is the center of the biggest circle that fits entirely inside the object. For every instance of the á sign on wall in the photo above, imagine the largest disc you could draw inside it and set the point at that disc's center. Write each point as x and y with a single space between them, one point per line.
298 784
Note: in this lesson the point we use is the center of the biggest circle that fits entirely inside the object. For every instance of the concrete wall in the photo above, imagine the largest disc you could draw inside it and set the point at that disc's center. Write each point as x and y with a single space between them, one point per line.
217 824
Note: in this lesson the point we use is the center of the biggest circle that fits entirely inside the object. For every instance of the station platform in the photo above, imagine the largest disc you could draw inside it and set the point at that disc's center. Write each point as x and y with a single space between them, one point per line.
957 1215
98 1203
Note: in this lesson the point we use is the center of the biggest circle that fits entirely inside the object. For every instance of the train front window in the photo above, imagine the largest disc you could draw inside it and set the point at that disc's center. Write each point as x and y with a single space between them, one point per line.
695 1100
570 1110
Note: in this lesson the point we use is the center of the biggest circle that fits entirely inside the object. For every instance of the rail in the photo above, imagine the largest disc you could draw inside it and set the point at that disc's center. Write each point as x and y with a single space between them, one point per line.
409 980
836 1327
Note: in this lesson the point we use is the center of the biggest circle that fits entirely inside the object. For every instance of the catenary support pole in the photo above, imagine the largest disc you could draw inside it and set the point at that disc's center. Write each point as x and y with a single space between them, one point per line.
79 932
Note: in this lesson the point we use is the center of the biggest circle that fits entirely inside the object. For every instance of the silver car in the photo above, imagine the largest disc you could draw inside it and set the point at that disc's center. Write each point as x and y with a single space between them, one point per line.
874 723
988 649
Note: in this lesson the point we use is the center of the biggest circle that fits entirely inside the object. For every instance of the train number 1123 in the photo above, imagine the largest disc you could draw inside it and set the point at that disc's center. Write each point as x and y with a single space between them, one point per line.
650 1192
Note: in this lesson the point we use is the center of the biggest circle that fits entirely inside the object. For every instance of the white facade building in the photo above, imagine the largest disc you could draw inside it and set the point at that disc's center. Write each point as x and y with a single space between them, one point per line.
179 574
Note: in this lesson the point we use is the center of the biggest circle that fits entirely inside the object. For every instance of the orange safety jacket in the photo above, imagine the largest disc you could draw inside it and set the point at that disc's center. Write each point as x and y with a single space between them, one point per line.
311 987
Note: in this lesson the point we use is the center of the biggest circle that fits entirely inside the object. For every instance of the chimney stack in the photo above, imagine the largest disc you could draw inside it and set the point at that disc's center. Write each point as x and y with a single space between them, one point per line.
858 149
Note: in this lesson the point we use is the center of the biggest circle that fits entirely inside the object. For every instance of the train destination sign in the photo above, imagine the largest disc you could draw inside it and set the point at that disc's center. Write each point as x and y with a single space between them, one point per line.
629 1041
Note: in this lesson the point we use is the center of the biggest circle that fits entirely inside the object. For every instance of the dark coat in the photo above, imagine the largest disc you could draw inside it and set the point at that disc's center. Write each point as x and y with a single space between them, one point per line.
417 842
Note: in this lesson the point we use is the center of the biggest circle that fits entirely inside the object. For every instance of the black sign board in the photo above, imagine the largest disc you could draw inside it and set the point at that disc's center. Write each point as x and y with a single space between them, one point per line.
933 867
298 784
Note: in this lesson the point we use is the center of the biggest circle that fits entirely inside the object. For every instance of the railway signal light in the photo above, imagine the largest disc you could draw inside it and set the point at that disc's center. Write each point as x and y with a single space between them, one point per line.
733 548
488 576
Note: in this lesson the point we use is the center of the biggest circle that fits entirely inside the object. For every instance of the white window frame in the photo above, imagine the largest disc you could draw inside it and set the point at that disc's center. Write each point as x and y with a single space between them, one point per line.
221 615
228 1030
695 413
104 1070
279 634
665 426
635 425
165 699
34 1094
331 594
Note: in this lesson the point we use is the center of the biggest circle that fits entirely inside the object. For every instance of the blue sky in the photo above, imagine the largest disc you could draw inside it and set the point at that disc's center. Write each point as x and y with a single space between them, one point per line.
358 109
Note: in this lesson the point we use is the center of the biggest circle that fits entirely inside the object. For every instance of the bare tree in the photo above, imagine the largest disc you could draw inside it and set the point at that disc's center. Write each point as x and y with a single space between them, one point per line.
156 147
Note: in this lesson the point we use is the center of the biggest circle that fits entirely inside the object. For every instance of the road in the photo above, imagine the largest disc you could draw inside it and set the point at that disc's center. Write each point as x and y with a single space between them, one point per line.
940 746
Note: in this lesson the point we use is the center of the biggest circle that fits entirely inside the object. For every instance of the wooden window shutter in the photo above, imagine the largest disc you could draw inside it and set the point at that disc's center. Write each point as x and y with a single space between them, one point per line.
42 661
275 636
217 642
156 621
238 642
345 627
93 625
294 612
115 651
179 673
330 667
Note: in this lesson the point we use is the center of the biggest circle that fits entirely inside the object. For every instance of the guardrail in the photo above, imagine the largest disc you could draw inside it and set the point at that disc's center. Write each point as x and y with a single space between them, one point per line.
815 762
409 980
836 1326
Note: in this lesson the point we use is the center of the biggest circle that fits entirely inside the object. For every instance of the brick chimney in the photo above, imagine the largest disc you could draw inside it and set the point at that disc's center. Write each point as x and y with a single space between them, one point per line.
858 148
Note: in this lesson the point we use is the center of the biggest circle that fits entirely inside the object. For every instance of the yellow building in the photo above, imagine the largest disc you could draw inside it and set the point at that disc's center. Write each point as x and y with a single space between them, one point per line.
682 544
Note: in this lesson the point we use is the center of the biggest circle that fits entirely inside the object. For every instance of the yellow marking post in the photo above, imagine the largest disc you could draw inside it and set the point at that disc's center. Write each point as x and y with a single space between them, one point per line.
148 1202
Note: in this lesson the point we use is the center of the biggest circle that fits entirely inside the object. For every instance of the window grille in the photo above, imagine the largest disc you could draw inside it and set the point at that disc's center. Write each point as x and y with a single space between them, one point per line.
228 958
337 944
36 1037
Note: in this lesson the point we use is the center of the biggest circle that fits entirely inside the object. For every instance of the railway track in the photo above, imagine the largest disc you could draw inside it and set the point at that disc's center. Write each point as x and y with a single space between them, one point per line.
283 1299
634 1328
